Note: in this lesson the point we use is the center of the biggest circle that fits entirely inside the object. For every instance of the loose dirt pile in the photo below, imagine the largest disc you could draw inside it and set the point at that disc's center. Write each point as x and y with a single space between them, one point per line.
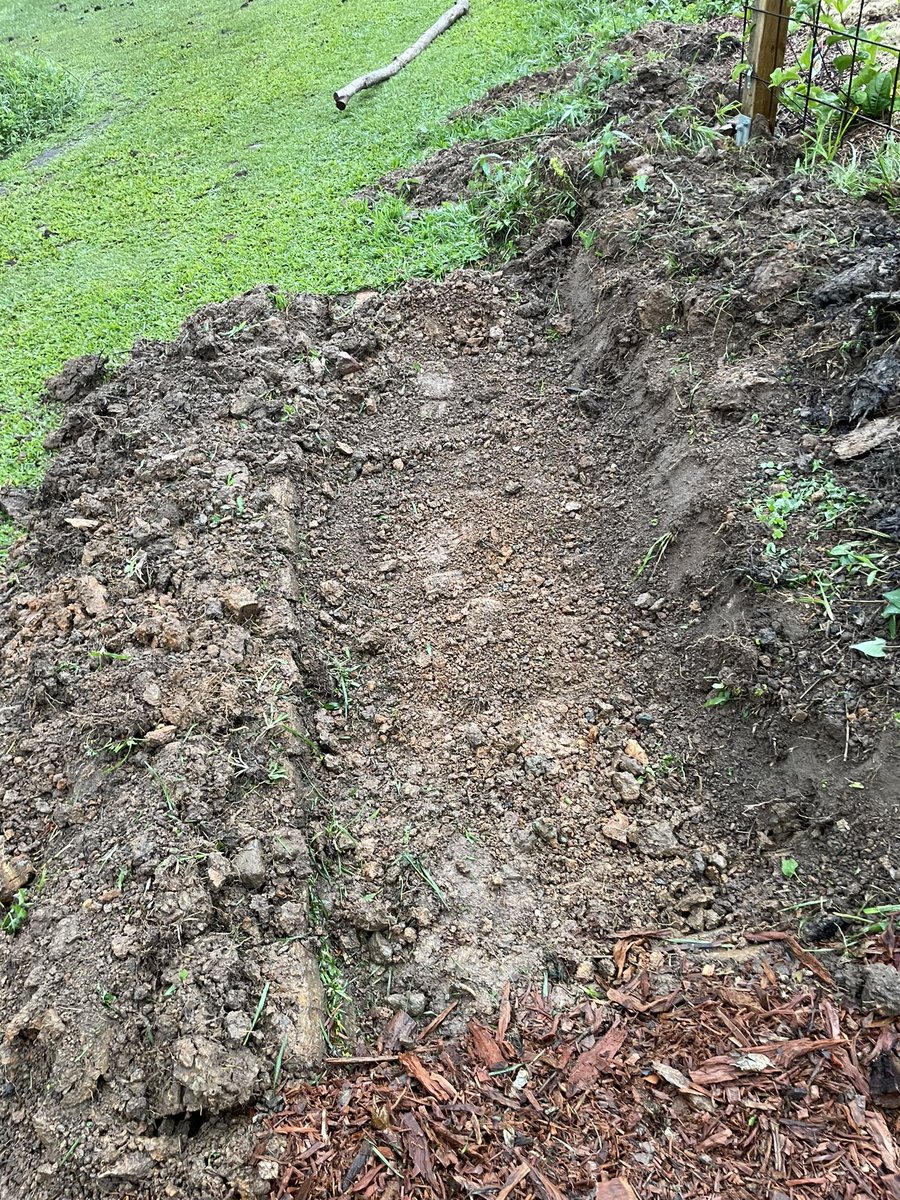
356 658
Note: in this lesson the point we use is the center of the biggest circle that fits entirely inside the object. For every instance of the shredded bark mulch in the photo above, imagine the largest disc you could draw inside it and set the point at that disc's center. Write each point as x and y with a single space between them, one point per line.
738 1082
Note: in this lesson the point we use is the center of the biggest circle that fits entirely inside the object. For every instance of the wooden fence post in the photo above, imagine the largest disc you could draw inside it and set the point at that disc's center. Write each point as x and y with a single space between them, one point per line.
768 38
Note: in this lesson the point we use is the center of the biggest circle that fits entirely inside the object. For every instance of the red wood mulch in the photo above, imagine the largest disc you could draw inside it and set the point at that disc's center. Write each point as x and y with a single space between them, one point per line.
740 1087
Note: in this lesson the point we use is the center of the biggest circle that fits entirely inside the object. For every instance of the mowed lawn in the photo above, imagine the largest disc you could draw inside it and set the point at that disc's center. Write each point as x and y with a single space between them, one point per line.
208 156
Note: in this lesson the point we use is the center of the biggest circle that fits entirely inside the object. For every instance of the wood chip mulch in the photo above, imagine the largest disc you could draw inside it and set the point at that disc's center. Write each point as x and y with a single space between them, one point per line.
732 1086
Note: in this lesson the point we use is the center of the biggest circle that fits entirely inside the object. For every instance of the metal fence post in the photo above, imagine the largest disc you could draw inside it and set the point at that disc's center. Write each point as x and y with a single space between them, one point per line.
768 38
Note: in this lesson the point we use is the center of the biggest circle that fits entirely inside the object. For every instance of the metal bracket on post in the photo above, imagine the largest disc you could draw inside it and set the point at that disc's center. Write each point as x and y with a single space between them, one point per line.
768 39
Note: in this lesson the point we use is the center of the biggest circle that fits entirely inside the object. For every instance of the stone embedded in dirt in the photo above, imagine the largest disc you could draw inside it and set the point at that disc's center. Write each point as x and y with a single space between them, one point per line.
218 870
881 989
130 1167
877 386
545 829
92 596
416 1003
626 785
875 271
475 736
332 590
644 600
250 865
561 323
15 873
242 603
658 839
636 752
380 948
371 641
215 1079
616 828
161 735
642 164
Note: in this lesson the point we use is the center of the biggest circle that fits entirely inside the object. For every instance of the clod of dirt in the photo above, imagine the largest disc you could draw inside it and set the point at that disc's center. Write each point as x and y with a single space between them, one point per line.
881 989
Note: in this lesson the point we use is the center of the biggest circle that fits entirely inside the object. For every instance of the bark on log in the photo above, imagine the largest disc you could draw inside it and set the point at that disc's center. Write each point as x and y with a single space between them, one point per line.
342 95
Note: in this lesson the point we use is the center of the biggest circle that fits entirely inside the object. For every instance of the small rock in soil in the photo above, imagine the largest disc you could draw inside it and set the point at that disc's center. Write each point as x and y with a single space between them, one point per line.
250 865
881 989
626 785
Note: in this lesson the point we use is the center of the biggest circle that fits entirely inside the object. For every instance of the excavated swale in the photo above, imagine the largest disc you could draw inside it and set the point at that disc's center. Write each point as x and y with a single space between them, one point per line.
330 689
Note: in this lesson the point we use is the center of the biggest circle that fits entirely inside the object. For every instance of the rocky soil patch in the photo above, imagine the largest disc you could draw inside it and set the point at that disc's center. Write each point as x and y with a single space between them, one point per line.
362 655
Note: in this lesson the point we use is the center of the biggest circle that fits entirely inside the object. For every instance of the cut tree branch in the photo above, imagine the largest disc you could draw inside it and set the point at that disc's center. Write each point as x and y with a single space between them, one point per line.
402 60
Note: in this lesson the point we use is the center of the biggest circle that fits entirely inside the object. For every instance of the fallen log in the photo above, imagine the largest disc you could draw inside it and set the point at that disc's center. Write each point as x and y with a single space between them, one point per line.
346 93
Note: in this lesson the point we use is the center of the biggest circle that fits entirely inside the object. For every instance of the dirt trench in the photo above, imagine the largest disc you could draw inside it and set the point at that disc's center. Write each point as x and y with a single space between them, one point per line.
355 659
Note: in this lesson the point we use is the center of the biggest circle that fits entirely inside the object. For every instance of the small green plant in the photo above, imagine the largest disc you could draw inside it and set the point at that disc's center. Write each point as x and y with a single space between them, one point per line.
892 611
119 750
345 673
789 867
16 914
654 555
604 148
415 863
334 985
173 987
103 657
107 998
275 773
258 1011
720 693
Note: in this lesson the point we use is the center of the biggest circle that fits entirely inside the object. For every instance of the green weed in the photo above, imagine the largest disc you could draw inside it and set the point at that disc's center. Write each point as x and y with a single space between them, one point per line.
654 555
17 913
334 985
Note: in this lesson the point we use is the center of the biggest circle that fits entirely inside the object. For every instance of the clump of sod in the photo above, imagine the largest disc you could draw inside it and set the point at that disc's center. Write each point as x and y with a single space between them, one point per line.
36 97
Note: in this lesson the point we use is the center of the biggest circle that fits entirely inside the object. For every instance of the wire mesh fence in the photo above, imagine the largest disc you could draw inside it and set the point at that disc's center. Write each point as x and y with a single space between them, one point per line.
820 61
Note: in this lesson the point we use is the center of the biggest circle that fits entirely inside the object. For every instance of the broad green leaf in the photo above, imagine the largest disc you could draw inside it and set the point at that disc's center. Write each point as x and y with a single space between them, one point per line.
789 867
876 648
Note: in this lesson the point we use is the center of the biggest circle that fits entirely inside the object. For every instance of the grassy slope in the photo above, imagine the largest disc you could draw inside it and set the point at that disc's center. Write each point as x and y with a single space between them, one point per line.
208 157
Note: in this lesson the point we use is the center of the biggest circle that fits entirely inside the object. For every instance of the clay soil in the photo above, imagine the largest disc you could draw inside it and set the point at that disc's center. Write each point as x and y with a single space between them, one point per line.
365 654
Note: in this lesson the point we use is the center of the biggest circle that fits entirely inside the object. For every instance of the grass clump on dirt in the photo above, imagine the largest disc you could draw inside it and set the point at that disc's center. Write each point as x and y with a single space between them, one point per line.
36 97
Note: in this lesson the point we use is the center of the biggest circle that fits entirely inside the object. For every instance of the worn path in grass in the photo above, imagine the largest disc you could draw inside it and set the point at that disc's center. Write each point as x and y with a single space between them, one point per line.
208 156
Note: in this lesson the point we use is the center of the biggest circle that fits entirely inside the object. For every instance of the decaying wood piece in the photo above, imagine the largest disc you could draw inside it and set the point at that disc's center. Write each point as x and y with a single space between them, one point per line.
342 95
868 436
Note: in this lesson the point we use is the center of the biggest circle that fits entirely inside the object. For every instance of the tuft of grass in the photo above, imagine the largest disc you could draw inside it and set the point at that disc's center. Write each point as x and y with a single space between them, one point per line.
415 864
36 98
334 985
258 1011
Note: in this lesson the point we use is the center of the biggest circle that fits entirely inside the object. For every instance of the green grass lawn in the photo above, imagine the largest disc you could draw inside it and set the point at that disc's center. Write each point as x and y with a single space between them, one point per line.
208 156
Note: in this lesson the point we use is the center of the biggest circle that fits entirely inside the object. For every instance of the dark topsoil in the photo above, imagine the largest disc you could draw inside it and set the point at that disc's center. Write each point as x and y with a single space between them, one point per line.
327 639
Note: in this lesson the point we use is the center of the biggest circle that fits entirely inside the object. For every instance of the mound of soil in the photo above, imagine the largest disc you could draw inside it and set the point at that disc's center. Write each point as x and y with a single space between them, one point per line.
436 637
